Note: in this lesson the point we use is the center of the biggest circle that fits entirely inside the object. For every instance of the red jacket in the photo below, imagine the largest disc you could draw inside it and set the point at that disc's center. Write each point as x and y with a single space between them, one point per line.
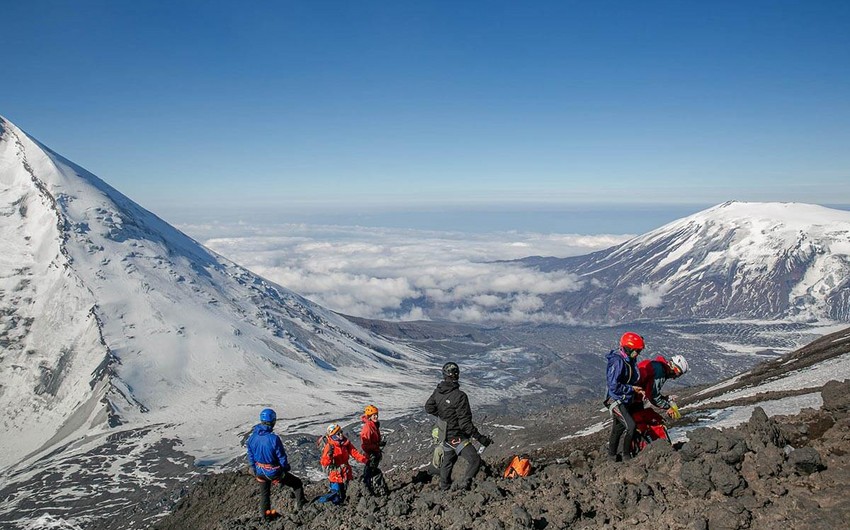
337 454
653 375
370 436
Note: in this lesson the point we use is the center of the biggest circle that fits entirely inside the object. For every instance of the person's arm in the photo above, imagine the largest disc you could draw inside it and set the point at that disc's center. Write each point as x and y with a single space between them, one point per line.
327 456
251 460
658 399
369 439
280 452
617 389
431 404
360 457
464 417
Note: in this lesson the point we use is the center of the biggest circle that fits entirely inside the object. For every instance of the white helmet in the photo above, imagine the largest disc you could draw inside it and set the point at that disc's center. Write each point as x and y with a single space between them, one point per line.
679 362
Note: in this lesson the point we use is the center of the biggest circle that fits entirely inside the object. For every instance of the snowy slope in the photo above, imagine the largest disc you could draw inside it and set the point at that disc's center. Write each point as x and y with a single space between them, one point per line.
111 320
735 260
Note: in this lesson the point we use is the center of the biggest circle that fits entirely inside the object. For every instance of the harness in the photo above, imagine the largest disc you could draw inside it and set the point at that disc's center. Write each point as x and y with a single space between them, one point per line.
457 444
612 404
269 472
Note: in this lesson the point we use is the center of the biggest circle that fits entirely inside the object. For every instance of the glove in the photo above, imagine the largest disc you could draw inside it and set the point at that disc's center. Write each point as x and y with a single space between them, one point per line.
252 471
673 411
374 458
382 443
485 440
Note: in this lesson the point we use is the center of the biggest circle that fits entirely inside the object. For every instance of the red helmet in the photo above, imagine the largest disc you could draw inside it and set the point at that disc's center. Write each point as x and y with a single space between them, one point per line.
632 341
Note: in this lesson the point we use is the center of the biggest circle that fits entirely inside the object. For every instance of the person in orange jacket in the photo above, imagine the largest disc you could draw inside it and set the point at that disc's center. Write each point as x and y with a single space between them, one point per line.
335 456
372 445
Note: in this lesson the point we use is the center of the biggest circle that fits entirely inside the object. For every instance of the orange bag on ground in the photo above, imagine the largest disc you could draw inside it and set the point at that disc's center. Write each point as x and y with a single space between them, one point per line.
520 466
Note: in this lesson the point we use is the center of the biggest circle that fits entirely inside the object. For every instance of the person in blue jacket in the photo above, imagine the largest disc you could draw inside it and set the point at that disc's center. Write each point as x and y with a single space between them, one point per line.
269 464
624 394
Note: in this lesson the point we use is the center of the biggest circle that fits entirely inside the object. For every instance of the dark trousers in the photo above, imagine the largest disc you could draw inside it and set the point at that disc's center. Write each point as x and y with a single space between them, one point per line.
371 470
469 454
622 430
287 479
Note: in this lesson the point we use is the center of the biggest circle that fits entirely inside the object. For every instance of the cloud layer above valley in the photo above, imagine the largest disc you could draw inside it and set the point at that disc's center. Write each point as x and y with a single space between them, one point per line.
399 274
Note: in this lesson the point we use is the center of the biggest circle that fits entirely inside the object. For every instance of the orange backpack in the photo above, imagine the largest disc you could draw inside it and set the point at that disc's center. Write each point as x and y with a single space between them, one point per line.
520 466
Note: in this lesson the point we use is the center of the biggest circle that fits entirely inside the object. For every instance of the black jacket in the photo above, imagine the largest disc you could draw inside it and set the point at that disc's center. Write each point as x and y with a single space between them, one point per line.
451 405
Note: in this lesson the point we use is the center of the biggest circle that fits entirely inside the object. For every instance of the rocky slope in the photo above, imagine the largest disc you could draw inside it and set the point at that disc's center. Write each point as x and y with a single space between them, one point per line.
792 471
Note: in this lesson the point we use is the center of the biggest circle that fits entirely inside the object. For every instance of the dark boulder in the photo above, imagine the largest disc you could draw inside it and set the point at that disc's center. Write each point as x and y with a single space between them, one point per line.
805 461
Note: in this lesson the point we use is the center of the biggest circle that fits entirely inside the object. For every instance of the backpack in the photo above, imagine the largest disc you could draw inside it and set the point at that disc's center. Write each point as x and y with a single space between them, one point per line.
437 457
438 433
520 466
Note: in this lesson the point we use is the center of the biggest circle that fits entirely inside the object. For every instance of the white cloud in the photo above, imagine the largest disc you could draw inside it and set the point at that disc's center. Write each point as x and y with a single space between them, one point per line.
403 274
649 296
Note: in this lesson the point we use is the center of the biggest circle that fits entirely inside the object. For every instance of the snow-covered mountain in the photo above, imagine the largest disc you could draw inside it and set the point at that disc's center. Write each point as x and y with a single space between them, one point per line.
735 260
112 321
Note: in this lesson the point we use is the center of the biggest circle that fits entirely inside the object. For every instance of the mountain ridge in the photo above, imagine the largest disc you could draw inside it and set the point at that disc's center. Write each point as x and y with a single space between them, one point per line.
111 317
735 260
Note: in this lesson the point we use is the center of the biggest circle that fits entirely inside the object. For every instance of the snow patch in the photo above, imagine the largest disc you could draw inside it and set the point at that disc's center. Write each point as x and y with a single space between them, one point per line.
835 369
733 416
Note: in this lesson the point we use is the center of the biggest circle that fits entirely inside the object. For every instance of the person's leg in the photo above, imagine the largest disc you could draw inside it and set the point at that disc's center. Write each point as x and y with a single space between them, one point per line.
470 454
617 428
624 418
333 488
449 458
341 487
297 485
368 474
379 485
265 495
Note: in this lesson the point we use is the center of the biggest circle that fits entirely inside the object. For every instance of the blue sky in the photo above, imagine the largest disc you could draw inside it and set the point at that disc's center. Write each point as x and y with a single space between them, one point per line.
336 106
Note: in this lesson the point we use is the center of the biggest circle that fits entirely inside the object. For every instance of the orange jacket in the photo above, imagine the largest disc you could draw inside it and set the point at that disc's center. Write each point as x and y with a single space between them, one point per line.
337 454
370 437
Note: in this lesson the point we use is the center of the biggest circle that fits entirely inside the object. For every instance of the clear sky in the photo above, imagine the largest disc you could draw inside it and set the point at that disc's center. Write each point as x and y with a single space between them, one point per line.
315 105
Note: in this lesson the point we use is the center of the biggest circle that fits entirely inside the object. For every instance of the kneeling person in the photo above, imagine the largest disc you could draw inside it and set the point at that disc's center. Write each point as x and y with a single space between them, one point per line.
451 405
336 454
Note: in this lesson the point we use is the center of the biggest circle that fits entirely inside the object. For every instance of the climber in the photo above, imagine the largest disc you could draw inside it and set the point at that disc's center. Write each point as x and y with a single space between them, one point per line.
335 456
269 464
654 373
624 395
372 446
451 405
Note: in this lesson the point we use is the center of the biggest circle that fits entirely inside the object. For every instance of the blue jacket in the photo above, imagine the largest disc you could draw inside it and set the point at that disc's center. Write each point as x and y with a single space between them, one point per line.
622 375
266 454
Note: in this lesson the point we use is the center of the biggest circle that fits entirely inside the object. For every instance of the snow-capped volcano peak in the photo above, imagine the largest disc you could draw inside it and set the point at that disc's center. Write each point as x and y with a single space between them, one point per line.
755 232
793 214
109 316
736 259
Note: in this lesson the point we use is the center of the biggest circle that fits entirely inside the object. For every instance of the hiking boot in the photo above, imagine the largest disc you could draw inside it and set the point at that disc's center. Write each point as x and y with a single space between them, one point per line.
613 458
464 485
445 487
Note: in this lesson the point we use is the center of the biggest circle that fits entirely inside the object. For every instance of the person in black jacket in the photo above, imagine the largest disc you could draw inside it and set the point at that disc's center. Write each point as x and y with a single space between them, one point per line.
451 405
